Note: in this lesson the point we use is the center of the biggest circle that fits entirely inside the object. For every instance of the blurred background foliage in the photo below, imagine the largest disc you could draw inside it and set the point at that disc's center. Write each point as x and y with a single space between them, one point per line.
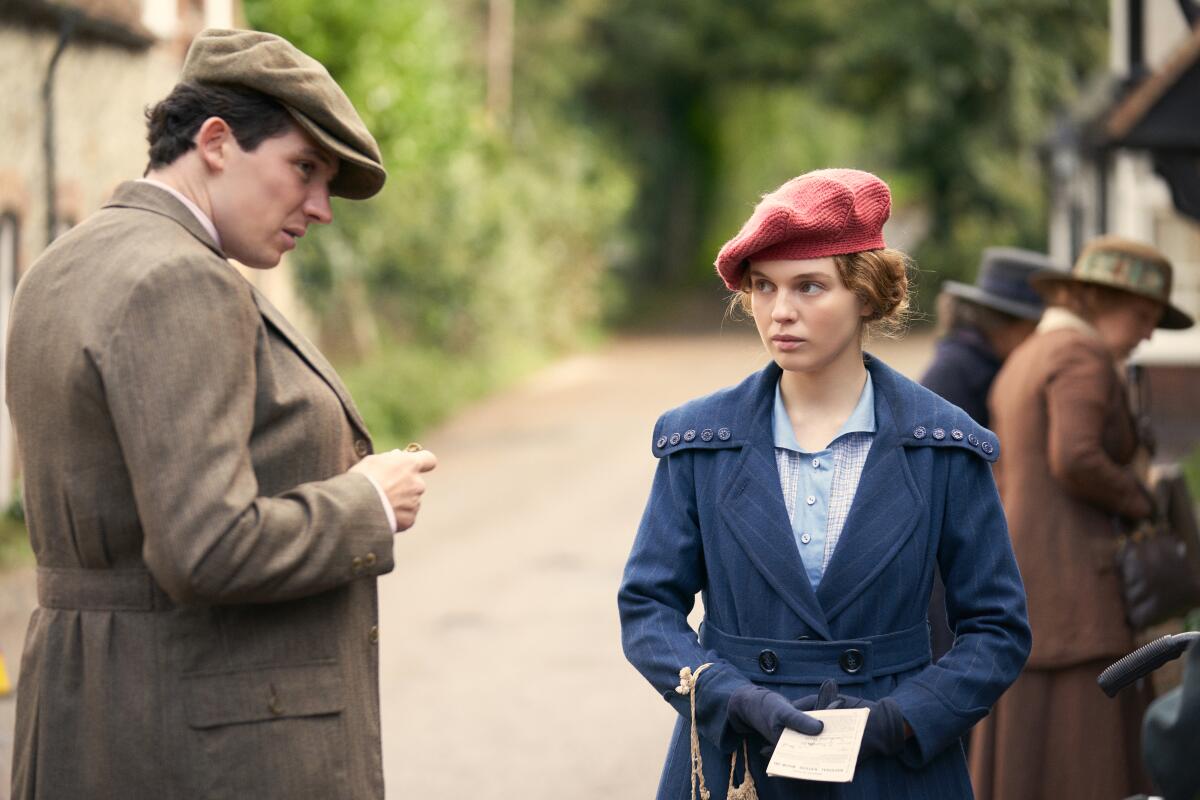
639 135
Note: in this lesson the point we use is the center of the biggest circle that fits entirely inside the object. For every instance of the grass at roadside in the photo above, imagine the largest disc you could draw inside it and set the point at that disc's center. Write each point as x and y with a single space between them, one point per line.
404 390
14 543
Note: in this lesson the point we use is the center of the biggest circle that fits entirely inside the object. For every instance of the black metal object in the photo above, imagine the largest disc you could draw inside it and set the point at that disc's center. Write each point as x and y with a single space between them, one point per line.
1144 660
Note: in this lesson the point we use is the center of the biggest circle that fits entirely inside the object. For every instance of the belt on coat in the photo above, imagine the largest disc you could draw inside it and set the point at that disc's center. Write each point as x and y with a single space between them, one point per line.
100 589
848 661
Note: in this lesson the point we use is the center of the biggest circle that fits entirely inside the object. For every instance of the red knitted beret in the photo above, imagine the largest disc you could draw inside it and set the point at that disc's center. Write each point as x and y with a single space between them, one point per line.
823 213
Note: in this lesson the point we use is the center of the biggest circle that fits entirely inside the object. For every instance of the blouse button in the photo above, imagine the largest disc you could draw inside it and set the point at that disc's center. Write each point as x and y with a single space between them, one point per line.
810 499
805 538
816 463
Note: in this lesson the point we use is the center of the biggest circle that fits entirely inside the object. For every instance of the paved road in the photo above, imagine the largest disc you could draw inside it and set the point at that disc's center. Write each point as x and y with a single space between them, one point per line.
502 674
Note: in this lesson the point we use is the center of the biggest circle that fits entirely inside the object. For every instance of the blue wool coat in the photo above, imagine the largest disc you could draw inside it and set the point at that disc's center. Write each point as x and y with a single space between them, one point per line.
716 524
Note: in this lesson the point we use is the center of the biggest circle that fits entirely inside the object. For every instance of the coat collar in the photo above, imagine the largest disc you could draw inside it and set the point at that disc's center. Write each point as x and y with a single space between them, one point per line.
884 514
148 197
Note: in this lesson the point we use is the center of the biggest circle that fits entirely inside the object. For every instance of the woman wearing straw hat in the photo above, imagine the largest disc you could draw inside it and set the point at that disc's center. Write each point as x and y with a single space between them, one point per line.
1059 408
811 505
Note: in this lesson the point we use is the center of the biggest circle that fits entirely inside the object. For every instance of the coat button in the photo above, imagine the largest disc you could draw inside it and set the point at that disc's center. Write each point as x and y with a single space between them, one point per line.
707 434
919 432
689 436
768 662
987 447
373 634
674 439
851 660
361 448
723 434
939 433
356 564
661 443
369 559
973 440
956 435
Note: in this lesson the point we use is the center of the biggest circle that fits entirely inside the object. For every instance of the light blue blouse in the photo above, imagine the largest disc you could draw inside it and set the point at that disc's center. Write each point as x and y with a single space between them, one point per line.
819 487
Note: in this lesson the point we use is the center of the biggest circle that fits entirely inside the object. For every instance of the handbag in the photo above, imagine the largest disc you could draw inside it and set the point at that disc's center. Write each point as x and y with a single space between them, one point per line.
1159 561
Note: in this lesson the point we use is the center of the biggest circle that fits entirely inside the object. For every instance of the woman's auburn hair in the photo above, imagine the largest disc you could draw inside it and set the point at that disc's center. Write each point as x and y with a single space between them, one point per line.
879 278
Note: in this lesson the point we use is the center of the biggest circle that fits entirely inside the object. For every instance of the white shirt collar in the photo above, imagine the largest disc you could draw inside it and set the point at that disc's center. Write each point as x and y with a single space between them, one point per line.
192 207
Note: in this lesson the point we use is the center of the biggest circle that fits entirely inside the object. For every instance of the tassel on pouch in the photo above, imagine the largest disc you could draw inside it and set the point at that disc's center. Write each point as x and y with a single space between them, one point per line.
745 791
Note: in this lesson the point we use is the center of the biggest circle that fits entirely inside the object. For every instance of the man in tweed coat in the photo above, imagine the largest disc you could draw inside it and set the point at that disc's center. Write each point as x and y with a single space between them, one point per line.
207 516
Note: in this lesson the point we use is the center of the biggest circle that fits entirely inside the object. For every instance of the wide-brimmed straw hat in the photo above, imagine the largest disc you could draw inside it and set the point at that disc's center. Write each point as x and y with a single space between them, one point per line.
1124 265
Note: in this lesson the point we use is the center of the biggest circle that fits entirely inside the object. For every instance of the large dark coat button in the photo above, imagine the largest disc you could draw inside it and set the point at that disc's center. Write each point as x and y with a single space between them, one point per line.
768 662
851 660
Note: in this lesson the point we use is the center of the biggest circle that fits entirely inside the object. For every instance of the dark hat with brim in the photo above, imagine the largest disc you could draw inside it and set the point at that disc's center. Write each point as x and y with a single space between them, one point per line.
273 66
1124 265
1003 282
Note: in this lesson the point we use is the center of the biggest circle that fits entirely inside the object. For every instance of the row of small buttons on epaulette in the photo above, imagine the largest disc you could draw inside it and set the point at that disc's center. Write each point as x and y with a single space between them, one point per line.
706 435
920 432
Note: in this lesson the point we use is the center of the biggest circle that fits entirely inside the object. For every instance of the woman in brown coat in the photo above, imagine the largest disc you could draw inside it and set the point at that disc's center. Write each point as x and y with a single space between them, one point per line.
1059 410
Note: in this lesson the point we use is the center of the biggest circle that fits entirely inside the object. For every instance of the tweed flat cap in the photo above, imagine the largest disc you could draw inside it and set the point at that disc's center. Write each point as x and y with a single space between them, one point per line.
1126 265
823 213
273 66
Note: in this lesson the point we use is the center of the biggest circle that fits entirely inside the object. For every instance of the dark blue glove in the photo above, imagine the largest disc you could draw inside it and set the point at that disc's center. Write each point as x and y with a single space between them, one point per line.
884 735
762 712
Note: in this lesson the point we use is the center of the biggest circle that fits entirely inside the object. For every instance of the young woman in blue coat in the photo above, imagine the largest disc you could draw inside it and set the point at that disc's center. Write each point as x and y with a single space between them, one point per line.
810 506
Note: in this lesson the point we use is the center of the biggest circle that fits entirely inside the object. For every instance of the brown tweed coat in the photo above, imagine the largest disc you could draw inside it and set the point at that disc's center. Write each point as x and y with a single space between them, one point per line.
206 569
1058 407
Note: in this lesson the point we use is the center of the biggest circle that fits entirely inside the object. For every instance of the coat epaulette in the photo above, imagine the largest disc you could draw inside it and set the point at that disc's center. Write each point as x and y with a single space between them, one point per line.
706 423
943 424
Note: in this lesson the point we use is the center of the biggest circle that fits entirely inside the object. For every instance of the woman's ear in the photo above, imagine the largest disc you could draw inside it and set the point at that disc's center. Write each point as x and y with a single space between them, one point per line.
212 141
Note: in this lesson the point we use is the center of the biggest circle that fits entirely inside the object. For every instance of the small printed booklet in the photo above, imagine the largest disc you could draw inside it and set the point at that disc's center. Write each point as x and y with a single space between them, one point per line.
829 756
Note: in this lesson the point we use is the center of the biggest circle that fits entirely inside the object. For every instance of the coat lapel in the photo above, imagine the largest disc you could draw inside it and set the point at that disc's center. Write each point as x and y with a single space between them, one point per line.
886 509
753 509
311 356
148 197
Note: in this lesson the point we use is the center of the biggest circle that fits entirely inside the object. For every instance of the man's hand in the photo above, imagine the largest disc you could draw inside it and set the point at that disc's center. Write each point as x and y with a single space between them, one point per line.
398 473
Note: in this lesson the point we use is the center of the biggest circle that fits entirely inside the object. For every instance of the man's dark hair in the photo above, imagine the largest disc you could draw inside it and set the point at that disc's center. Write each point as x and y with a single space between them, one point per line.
173 122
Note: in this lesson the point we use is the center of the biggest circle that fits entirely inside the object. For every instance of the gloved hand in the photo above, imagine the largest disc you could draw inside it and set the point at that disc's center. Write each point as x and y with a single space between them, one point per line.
884 735
755 710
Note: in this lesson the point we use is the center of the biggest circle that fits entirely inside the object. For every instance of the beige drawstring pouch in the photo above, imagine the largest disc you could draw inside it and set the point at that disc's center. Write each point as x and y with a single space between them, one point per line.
746 791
